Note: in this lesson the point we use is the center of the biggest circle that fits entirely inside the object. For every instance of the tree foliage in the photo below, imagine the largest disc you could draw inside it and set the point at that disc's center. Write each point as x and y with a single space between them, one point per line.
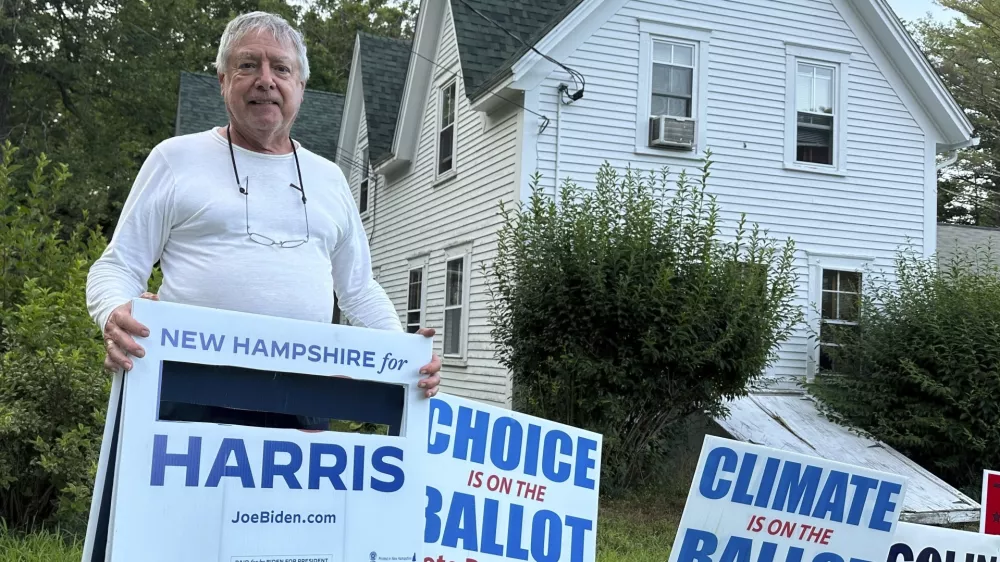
921 372
965 51
621 310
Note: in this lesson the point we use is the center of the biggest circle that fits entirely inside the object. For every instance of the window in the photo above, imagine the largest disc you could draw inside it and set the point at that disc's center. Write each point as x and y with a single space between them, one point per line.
363 197
446 129
839 305
670 116
455 305
815 130
814 95
415 300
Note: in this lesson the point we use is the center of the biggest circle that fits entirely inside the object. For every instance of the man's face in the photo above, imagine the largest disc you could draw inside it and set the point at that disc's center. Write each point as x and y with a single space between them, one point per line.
262 84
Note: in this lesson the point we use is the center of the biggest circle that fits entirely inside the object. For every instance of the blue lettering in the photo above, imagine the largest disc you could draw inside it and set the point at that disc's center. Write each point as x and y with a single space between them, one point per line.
767 482
884 506
698 545
897 550
506 430
370 359
515 522
546 519
259 347
352 357
737 550
490 545
707 487
298 350
461 523
187 340
211 342
327 355
833 499
862 488
432 521
191 460
767 551
165 337
467 433
795 554
828 557
531 450
560 474
314 355
317 470
579 530
584 464
221 467
237 345
279 350
287 471
794 486
391 470
437 442
740 494
359 467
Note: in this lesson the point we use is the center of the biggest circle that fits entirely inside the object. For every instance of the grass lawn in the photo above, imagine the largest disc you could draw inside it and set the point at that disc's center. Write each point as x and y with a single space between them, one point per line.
635 529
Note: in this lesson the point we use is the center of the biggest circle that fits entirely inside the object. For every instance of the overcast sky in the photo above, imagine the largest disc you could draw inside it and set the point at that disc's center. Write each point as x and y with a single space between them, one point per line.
915 9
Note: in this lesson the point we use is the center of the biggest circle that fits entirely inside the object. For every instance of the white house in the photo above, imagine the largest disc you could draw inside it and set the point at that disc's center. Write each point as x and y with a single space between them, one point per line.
825 121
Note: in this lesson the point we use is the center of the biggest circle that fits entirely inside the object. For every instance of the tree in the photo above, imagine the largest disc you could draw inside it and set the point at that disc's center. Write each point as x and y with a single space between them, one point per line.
965 52
623 311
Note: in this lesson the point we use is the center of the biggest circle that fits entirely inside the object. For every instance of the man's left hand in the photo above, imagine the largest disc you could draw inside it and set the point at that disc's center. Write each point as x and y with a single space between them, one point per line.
431 369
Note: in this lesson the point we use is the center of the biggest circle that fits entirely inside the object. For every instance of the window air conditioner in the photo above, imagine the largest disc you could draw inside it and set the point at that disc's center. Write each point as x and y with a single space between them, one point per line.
671 132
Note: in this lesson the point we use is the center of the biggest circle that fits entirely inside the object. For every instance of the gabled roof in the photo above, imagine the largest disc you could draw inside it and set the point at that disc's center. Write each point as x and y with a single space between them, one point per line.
486 51
383 63
200 107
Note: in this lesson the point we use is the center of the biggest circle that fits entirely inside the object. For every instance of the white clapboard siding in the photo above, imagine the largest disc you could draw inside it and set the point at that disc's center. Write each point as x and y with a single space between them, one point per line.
876 209
414 215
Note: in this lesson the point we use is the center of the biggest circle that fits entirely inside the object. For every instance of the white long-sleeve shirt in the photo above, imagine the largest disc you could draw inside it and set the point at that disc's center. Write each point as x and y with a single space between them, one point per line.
185 210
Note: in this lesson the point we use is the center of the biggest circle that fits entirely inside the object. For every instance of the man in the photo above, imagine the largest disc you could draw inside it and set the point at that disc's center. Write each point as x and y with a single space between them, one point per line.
242 217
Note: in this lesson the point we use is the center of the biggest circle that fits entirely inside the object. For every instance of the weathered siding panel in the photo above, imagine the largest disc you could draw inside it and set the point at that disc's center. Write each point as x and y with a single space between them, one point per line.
878 207
416 215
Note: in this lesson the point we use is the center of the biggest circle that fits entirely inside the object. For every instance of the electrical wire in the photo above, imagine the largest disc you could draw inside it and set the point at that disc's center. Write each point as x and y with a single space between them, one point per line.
578 78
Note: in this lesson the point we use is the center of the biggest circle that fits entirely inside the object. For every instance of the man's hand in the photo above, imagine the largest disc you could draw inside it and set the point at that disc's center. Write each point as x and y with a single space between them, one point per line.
431 369
118 336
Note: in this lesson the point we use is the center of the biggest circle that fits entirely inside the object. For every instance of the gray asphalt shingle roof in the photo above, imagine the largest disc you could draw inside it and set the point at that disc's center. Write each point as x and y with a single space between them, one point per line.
200 107
486 51
384 62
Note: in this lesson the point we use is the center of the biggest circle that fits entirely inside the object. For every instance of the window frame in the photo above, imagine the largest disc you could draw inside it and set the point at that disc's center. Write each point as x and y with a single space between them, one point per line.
699 38
839 62
463 252
417 264
818 263
364 193
438 130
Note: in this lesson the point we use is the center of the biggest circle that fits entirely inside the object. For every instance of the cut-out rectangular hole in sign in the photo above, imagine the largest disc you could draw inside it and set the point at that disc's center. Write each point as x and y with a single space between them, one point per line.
265 398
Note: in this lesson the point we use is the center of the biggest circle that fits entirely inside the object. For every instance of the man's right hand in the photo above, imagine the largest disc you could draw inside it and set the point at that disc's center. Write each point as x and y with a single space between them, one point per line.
118 336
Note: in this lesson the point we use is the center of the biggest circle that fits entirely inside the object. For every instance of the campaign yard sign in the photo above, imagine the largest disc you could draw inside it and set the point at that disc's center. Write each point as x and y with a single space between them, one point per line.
749 503
189 489
989 515
923 543
508 487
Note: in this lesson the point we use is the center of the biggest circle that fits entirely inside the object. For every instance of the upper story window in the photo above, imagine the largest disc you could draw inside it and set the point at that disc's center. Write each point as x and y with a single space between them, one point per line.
816 109
363 195
445 161
671 116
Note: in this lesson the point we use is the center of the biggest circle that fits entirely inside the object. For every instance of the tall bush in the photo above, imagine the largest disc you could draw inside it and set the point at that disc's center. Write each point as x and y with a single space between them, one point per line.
921 371
623 310
53 390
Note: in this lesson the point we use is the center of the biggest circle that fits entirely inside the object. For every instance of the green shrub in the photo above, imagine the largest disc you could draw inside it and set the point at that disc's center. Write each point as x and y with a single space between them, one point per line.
921 371
622 310
53 390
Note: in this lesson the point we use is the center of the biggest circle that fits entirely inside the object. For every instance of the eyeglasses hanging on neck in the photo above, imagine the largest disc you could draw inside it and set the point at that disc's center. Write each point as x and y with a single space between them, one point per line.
245 190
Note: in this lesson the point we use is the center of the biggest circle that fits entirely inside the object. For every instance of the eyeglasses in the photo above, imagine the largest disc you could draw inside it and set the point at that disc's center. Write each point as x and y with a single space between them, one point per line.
256 236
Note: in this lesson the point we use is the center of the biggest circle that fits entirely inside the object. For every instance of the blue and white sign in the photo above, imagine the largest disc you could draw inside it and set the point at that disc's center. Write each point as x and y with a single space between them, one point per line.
193 490
508 487
749 502
924 543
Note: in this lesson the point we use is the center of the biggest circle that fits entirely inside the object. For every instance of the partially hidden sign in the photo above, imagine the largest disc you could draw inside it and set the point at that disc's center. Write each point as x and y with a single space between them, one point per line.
184 489
749 502
923 543
507 487
989 517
